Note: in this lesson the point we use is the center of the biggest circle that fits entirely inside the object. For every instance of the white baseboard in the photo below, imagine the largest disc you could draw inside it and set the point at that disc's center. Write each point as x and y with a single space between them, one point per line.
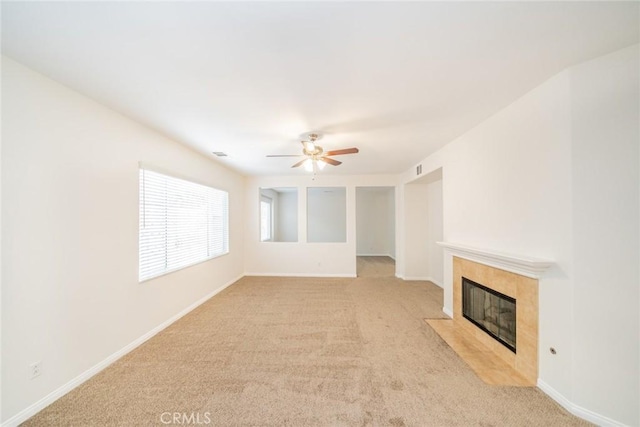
385 255
421 278
577 410
448 312
435 282
33 409
350 276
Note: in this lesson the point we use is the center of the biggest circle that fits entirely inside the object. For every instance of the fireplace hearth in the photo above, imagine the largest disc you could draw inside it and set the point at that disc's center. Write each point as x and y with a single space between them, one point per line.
491 311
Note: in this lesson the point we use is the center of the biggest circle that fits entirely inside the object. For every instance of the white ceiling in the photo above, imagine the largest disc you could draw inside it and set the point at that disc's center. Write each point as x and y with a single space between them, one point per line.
397 80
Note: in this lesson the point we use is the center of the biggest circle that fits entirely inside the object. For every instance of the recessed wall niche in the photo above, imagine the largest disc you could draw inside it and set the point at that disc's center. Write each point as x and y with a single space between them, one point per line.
278 208
326 214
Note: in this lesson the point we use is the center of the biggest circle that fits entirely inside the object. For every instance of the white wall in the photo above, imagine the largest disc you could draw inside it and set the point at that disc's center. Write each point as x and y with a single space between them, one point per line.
422 222
434 227
302 258
71 296
375 221
391 222
1 272
605 176
548 177
327 214
287 218
415 210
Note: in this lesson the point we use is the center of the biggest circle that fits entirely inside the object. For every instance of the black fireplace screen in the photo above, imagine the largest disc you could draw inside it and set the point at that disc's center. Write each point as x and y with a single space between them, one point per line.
491 311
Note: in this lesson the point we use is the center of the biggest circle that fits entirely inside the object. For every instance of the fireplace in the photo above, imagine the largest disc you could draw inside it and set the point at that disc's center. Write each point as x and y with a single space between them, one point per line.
491 311
512 276
521 323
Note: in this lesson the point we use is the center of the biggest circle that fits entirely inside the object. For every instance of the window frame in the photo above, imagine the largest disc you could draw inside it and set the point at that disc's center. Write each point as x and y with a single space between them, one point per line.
269 200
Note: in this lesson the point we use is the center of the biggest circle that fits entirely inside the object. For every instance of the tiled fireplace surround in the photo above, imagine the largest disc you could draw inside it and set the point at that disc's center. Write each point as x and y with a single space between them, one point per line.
525 291
511 275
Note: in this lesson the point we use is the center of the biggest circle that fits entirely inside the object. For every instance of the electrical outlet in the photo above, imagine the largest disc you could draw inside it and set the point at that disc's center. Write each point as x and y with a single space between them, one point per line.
35 369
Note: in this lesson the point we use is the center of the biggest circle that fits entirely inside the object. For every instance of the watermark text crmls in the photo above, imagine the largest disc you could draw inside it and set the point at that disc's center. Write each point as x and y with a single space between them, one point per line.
185 418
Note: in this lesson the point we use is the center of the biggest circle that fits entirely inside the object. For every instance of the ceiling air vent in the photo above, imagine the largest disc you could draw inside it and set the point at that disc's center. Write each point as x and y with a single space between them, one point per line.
219 153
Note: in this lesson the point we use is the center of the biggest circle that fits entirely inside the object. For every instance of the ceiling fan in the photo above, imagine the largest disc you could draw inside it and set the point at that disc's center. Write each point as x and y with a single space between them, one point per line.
315 155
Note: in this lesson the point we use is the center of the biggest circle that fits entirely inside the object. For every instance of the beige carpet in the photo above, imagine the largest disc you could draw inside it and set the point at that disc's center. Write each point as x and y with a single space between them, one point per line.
303 352
376 266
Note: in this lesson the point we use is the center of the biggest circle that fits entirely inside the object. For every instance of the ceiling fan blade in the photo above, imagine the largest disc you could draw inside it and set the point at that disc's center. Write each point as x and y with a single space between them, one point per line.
330 161
343 151
284 155
299 163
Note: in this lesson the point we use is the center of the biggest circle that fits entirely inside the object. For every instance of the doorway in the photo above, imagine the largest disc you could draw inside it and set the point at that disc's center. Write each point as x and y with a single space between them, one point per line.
375 231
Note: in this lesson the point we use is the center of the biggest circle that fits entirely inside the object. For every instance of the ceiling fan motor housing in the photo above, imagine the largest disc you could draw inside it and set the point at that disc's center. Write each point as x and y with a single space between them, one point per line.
317 150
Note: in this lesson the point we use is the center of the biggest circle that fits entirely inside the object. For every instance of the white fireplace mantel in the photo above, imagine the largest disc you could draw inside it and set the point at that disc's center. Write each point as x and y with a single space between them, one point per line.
523 265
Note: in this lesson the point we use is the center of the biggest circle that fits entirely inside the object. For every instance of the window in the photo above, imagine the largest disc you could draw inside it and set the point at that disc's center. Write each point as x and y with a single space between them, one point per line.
181 223
266 219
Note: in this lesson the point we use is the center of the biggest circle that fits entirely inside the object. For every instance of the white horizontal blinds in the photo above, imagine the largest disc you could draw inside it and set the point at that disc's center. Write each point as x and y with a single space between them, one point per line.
181 223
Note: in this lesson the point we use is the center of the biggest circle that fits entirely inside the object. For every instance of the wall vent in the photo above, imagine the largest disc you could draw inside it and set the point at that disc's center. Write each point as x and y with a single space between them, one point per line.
219 153
418 169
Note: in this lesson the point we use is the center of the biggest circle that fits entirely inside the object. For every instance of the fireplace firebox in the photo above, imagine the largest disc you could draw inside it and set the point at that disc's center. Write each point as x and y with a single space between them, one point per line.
491 311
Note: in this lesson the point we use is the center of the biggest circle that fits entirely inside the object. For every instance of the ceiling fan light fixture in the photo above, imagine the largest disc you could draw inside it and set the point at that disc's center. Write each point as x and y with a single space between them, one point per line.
321 164
310 146
308 165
